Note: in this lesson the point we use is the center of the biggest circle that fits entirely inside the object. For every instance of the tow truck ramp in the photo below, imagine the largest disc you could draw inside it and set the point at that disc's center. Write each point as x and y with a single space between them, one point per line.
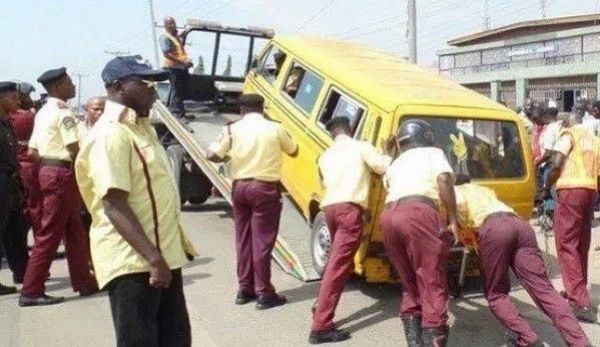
292 248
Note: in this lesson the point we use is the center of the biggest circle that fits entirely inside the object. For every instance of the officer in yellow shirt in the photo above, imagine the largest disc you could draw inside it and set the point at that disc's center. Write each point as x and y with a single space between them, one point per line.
506 241
254 146
55 141
345 170
176 61
574 171
138 246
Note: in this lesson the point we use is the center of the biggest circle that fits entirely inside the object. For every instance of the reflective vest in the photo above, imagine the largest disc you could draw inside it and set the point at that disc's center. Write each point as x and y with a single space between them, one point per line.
580 169
177 51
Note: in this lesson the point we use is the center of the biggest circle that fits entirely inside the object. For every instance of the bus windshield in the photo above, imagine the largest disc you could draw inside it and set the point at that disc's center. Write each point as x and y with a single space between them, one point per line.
481 149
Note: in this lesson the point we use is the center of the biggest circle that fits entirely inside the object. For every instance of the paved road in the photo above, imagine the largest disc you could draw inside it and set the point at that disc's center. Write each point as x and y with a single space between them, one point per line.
369 311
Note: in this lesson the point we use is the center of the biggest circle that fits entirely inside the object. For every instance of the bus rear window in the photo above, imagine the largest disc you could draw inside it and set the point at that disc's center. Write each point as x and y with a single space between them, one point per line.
492 149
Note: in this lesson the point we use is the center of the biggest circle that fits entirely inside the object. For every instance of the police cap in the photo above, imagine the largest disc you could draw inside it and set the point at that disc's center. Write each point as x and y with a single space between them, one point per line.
252 101
124 67
337 122
52 75
416 132
6 86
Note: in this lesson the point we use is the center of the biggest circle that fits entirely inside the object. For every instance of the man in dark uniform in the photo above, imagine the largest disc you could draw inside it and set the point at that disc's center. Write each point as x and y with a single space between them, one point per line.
416 236
9 171
55 141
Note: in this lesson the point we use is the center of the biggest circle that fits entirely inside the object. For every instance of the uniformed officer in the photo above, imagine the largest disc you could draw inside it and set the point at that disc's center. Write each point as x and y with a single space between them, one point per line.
345 169
506 241
138 245
14 240
8 172
417 238
574 171
254 146
22 120
54 141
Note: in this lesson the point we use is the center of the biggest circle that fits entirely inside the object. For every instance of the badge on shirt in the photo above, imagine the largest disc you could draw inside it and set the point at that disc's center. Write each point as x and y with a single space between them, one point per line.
68 122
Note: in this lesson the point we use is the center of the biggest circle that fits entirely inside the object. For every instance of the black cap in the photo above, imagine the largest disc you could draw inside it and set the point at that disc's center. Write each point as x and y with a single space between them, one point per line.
131 66
416 132
6 86
52 75
337 122
252 100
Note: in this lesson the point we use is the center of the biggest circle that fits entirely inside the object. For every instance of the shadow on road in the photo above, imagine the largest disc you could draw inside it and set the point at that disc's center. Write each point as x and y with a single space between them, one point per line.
213 206
192 278
199 261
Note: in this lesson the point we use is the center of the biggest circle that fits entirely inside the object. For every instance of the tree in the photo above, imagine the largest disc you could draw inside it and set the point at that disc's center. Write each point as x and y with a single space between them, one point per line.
199 69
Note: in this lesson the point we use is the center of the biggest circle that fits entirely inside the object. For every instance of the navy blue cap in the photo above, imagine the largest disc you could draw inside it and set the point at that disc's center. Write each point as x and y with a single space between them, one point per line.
52 75
131 66
6 86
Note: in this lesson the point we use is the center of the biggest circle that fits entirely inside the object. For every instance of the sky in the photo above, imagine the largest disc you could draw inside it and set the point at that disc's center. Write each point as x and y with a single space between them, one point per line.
43 34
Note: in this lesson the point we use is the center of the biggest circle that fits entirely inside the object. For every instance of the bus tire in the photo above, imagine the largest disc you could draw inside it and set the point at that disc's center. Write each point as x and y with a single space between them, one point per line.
320 243
175 154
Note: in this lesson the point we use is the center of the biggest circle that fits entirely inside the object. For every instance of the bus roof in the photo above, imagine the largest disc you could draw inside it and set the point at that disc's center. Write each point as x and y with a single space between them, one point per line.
382 78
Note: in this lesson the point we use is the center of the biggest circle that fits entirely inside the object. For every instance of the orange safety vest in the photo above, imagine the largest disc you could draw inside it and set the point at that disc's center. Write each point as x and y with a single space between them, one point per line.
179 52
580 169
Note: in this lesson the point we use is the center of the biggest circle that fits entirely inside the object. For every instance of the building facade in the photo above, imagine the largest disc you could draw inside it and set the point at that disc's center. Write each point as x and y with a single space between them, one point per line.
556 58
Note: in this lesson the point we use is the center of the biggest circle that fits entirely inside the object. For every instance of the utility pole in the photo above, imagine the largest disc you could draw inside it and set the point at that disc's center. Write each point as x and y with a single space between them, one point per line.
412 30
543 8
117 53
487 19
79 77
154 38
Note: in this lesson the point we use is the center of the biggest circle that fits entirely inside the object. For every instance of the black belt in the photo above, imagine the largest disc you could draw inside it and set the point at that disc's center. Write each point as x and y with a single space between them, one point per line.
255 180
413 198
57 163
496 215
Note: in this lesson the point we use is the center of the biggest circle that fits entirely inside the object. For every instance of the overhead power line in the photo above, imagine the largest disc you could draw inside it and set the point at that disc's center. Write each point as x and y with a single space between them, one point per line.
315 15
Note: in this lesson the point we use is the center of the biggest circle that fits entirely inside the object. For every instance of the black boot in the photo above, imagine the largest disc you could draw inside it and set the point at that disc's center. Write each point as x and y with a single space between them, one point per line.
412 331
435 337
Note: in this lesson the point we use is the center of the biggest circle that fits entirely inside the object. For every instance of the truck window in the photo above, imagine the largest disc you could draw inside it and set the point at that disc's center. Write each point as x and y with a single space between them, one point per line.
482 149
271 64
339 105
303 87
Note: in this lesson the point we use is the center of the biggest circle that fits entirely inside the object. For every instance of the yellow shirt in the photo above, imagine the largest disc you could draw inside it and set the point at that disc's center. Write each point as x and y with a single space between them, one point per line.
54 129
415 172
254 145
345 168
111 158
475 203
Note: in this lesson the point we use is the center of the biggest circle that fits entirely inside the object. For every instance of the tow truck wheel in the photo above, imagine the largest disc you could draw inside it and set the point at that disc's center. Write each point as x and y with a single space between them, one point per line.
175 154
199 187
320 244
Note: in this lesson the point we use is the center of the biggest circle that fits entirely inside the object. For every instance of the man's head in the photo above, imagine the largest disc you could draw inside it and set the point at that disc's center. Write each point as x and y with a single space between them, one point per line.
94 108
9 97
131 82
596 109
339 126
170 25
58 83
250 103
415 133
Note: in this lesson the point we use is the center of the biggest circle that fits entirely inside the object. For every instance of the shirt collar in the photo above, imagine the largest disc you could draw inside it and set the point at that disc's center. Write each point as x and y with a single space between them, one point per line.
342 138
56 101
115 112
254 115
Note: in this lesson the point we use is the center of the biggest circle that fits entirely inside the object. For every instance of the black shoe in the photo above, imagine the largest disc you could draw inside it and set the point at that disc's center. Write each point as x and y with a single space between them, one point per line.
435 337
43 300
586 314
89 292
331 335
266 301
243 298
413 331
6 290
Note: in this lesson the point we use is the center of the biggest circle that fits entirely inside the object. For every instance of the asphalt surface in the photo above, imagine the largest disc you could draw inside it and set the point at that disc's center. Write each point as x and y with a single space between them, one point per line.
368 311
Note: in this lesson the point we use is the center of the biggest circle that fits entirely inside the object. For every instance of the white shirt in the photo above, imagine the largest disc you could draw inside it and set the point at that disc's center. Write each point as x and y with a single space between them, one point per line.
551 134
345 168
415 172
591 123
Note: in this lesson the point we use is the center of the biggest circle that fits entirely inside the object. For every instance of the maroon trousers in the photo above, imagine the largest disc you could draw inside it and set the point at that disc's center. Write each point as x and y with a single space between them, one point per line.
60 221
33 195
345 226
257 210
573 232
412 235
506 241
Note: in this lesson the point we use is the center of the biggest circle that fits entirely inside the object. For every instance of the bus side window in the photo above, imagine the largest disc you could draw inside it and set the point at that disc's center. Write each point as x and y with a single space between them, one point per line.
376 131
303 86
271 64
339 105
